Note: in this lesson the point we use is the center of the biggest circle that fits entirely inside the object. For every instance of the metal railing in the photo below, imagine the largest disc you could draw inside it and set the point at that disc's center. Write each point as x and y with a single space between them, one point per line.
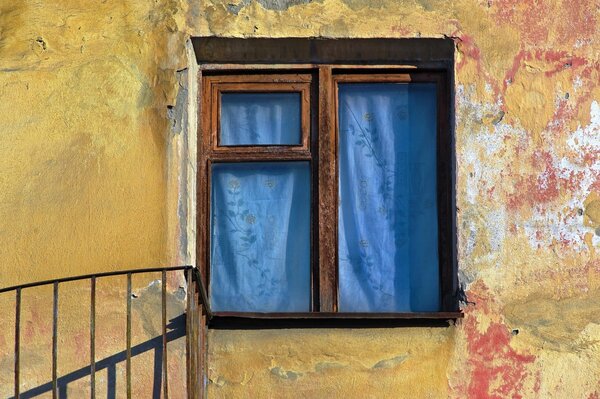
197 313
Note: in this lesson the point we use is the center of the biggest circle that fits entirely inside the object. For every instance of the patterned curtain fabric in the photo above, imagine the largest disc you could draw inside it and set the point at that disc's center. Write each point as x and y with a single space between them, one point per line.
388 239
260 237
260 119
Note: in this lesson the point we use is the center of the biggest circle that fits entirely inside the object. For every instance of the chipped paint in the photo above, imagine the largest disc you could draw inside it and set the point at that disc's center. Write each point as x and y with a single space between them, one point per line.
96 176
528 182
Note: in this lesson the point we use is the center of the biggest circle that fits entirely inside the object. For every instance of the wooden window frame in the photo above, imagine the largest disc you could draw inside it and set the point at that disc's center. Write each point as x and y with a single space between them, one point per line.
319 84
293 83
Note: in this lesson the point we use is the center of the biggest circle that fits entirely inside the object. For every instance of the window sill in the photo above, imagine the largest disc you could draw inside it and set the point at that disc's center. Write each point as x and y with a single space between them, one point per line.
241 320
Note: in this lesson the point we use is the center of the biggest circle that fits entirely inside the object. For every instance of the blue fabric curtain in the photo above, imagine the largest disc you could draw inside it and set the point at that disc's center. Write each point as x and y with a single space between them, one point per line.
260 237
388 239
260 119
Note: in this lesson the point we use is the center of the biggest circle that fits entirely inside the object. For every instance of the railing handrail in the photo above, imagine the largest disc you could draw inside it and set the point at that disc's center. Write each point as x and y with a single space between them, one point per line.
197 302
203 295
88 276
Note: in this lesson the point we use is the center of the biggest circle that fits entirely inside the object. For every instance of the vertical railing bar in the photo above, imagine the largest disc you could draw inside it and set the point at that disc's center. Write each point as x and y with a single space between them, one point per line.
202 352
93 338
190 329
128 359
17 342
188 307
55 341
194 342
198 319
164 338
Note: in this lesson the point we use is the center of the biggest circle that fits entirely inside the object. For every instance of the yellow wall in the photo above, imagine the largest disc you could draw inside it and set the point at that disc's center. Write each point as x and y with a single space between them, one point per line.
88 181
90 163
84 92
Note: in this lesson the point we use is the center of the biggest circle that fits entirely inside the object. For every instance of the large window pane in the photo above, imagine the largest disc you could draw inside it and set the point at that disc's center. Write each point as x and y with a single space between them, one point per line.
388 236
260 119
260 237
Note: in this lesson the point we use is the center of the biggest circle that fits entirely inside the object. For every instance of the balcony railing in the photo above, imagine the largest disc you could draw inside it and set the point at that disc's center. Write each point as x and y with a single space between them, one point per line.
197 313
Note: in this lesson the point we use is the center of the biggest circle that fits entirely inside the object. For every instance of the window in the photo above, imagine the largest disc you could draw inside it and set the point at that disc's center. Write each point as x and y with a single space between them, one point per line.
327 191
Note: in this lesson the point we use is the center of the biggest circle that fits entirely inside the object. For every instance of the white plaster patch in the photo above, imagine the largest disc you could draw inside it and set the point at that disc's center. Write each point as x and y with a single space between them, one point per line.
577 83
479 143
481 153
154 283
470 158
547 226
488 87
582 42
589 137
471 241
497 228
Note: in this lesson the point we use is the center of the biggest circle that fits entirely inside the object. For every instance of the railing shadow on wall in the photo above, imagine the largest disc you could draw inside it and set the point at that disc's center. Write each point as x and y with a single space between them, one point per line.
191 325
177 330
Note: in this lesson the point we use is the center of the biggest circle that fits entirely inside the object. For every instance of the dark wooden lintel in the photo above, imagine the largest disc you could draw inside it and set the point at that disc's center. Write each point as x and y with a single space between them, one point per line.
322 51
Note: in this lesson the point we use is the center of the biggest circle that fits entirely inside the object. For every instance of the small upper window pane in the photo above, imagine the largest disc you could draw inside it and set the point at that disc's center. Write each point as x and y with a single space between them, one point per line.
260 119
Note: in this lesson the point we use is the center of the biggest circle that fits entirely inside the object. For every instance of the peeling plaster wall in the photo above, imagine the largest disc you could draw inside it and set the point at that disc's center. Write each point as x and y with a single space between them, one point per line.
93 135
96 174
528 193
86 182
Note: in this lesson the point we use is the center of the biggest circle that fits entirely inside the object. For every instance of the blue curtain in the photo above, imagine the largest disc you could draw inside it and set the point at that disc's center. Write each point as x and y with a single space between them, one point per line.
260 237
388 238
260 119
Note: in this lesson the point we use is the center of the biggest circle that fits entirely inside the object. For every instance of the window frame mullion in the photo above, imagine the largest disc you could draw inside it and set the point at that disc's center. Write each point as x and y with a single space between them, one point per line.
327 193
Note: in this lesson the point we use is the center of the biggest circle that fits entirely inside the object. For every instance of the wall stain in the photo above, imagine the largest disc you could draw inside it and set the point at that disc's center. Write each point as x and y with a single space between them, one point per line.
89 183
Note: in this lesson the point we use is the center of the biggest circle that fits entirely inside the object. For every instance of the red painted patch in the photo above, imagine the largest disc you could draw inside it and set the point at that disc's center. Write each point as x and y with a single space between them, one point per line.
561 60
525 15
562 113
510 74
534 30
591 71
572 183
596 184
81 341
497 370
38 325
579 21
590 157
536 189
578 277
466 45
545 188
471 52
401 30
505 10
546 185
538 382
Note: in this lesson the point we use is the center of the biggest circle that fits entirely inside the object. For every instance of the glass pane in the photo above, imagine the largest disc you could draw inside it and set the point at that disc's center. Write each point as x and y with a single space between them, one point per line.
388 237
260 237
260 119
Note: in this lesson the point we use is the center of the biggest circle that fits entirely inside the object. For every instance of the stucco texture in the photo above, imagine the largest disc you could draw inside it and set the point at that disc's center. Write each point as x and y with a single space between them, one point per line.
90 181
